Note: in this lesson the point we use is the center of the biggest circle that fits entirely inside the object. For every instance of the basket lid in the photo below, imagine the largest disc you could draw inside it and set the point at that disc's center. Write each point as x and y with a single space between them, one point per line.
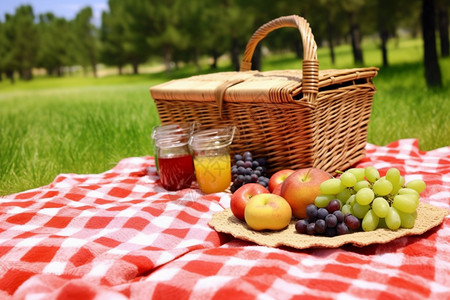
254 86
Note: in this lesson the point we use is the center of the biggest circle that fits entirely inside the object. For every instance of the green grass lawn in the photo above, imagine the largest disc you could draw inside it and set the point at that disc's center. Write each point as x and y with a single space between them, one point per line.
86 125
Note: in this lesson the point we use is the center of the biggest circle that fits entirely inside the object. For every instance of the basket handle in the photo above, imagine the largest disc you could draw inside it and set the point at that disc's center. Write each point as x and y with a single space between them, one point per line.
310 63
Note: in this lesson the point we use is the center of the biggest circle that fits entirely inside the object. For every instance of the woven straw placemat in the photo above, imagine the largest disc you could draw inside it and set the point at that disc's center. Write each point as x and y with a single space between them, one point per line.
428 216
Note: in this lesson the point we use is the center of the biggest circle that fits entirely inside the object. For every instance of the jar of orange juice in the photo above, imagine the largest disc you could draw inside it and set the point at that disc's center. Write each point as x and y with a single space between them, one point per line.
212 158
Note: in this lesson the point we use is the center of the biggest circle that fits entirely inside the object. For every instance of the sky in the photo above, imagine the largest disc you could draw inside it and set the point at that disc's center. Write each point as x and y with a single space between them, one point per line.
60 8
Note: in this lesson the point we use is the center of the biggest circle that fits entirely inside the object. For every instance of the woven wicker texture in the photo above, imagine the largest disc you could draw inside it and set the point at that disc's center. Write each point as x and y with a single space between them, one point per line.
428 216
294 118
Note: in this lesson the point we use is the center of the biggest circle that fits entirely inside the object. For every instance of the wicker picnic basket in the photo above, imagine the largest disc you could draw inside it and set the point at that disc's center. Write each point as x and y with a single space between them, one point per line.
294 118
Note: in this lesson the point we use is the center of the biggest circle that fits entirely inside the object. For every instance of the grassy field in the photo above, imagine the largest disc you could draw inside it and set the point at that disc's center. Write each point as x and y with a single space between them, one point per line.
86 125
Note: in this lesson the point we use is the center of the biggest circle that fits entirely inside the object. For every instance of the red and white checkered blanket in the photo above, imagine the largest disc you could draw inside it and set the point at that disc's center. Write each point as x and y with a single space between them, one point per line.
120 235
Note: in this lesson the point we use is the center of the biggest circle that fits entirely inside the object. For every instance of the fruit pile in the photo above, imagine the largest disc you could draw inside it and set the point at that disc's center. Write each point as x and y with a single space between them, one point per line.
359 199
248 170
379 202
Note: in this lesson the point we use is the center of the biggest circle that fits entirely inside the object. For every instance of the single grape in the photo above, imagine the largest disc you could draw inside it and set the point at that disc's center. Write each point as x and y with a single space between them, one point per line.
401 183
331 186
255 164
364 196
382 187
300 226
351 200
320 226
247 179
412 193
370 221
234 170
323 200
257 172
371 174
240 179
359 210
248 171
352 222
393 175
361 184
407 220
333 206
405 203
310 228
380 207
344 195
331 221
358 172
254 178
311 212
341 229
240 163
346 209
339 215
348 179
247 164
392 219
237 157
322 213
241 171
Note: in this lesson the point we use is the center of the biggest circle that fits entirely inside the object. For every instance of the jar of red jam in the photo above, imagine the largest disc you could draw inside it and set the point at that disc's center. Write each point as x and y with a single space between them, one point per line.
176 168
177 131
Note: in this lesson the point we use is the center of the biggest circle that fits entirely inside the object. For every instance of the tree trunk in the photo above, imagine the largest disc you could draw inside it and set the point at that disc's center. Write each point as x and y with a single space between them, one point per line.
167 59
355 34
384 35
215 57
119 67
197 60
443 28
235 54
432 71
331 42
256 59
10 75
135 67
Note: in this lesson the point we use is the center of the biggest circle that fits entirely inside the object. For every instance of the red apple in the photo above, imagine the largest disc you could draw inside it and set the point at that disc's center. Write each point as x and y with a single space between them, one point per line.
241 196
301 189
267 211
278 178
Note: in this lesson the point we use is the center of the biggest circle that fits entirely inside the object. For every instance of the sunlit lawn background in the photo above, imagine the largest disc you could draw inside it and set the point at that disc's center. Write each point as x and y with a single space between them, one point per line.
80 124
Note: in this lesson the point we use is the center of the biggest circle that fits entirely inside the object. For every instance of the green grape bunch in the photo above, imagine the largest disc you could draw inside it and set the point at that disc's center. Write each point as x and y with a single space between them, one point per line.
380 202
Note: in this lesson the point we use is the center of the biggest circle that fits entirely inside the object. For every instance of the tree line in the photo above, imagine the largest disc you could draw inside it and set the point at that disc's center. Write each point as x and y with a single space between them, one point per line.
133 32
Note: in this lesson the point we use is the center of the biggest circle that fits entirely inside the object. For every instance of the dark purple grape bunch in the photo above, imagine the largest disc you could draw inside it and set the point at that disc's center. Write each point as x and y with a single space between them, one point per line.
246 169
329 221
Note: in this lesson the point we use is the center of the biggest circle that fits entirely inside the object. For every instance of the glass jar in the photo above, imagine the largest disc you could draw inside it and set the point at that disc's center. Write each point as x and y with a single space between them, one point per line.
212 158
183 130
176 168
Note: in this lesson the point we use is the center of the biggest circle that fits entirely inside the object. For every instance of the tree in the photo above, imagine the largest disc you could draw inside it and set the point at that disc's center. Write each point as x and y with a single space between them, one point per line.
21 43
443 26
112 35
432 70
54 35
85 40
2 49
